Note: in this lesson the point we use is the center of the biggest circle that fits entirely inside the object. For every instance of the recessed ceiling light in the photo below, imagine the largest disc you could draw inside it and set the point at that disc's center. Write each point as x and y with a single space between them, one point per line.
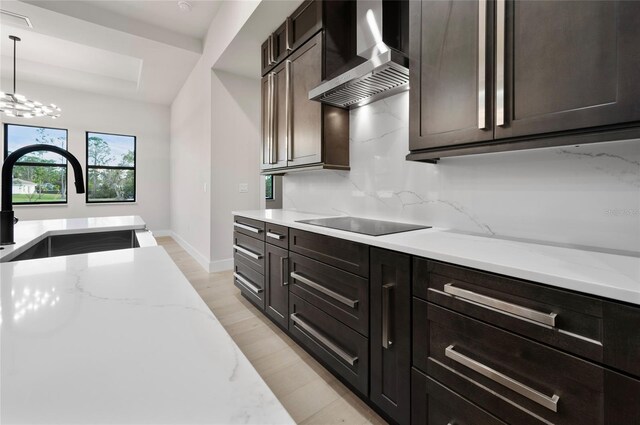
184 6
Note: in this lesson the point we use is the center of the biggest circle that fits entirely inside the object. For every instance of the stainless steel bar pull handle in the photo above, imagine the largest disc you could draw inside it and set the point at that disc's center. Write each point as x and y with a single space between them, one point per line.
275 236
543 400
274 120
340 298
387 340
269 117
247 252
502 306
285 270
306 328
500 62
482 64
244 282
289 110
272 55
288 34
245 227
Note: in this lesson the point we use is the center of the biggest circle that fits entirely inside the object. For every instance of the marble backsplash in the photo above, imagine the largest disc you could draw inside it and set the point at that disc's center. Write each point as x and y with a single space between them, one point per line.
586 196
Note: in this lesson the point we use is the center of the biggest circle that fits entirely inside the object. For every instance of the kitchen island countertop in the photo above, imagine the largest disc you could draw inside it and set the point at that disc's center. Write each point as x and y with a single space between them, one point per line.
119 337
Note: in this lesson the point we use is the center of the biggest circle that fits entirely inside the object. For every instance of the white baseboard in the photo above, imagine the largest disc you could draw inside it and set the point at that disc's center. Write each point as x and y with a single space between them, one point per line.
201 259
221 265
209 266
161 233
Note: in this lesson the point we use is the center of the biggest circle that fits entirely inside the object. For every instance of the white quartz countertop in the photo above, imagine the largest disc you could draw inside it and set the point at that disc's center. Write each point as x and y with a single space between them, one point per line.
119 337
30 232
607 275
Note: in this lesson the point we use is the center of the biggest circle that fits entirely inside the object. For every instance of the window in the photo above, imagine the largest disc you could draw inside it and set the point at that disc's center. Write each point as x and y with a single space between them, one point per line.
111 168
268 187
38 177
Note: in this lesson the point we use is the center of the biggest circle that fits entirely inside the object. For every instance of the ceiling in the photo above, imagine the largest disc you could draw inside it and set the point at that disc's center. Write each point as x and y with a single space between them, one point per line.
155 17
140 50
164 14
242 55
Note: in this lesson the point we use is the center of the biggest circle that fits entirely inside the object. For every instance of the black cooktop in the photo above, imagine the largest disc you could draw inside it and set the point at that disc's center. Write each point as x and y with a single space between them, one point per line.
364 225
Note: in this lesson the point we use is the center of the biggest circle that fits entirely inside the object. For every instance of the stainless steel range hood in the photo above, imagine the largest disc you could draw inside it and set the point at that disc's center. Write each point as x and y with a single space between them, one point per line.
384 71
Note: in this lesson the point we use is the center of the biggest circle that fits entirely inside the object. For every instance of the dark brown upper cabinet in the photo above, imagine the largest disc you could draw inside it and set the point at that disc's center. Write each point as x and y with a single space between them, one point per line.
276 47
303 24
297 133
501 75
451 76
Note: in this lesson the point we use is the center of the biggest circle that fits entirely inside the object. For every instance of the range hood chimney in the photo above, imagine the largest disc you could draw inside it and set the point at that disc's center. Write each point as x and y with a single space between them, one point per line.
381 67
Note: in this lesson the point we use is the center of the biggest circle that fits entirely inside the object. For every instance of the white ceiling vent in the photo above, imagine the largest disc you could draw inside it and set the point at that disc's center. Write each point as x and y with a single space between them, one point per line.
15 19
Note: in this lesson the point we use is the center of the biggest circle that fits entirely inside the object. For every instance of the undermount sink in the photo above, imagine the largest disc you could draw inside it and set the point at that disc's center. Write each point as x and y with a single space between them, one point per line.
80 243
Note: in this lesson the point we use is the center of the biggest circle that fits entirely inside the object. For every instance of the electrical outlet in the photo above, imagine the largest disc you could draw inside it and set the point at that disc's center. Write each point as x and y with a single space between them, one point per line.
243 187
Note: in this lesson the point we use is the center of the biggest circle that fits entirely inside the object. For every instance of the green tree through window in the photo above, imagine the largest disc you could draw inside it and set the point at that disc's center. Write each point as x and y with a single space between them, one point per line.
268 187
111 168
38 177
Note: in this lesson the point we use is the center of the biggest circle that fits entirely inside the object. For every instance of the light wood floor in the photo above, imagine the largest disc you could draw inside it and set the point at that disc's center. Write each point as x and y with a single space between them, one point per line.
307 390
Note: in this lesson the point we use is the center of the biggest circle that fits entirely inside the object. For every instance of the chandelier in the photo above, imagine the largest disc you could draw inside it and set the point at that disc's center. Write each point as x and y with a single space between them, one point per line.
17 105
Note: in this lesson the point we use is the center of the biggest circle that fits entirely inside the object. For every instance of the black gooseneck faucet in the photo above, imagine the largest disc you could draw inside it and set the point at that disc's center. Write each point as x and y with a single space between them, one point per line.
7 219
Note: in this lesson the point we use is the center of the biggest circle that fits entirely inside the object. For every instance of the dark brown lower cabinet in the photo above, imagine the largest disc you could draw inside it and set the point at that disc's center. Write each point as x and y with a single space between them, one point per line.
390 287
343 350
277 284
248 280
517 380
435 404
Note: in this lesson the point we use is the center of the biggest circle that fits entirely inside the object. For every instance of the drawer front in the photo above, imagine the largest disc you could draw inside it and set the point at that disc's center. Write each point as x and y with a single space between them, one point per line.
343 350
249 281
434 404
277 235
249 227
518 380
249 249
342 295
562 319
346 255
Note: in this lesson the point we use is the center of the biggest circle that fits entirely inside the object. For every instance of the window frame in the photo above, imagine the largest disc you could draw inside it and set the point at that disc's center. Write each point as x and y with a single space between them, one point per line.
38 164
273 187
111 167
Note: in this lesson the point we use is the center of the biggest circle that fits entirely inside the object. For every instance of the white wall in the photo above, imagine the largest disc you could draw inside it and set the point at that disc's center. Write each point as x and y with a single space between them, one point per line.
578 196
191 166
192 142
81 112
235 123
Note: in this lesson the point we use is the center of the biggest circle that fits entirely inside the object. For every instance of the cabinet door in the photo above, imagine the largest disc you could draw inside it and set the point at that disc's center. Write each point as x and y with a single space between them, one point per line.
265 56
305 67
391 333
567 65
305 22
281 115
281 42
277 284
450 73
266 106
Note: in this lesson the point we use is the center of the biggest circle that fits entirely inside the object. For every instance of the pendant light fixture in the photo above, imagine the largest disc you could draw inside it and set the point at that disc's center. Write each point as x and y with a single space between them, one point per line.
16 105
